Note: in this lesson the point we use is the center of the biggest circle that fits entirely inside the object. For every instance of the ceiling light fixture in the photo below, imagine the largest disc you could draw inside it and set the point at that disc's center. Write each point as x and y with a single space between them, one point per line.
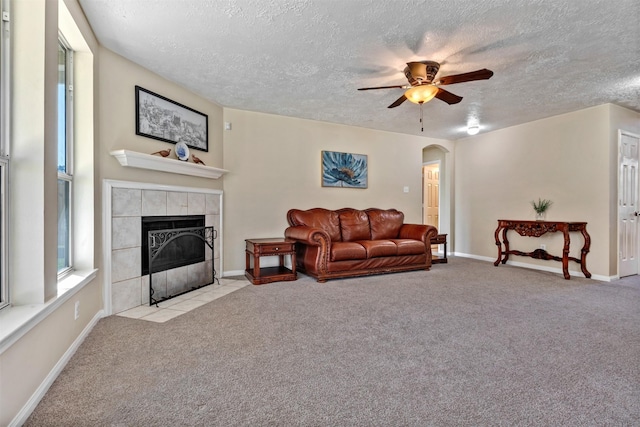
473 129
421 94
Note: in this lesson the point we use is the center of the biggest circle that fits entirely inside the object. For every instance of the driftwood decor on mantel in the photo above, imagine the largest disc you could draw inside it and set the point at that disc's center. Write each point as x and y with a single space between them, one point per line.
134 159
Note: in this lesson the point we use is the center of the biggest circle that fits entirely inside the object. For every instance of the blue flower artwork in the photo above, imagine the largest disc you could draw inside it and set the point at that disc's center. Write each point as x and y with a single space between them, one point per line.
344 170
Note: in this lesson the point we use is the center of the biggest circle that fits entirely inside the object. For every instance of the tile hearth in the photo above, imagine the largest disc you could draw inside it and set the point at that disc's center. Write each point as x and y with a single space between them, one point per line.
182 304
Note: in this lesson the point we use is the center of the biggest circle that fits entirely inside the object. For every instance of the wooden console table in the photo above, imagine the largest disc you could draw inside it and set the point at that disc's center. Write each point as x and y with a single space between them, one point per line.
537 229
280 247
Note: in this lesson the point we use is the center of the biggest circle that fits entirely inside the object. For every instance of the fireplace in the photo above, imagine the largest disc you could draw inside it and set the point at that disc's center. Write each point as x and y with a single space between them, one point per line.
125 204
180 252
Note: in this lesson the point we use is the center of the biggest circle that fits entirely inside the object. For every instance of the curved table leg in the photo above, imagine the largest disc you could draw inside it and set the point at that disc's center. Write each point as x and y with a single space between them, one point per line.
498 244
585 251
506 245
565 254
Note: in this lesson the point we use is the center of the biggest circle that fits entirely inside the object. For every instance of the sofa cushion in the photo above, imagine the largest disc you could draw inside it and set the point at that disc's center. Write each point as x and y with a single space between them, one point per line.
317 218
379 248
341 251
385 224
409 246
354 225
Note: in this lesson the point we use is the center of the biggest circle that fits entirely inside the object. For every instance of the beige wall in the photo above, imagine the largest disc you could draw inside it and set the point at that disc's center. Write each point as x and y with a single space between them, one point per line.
274 165
117 128
570 159
26 364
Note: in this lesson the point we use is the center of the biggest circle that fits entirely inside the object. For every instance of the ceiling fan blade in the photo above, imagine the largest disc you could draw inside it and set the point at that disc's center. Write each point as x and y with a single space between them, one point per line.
483 74
382 87
448 97
398 102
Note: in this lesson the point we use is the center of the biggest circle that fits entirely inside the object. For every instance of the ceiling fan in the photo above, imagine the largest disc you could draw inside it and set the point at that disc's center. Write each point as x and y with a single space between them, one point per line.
422 87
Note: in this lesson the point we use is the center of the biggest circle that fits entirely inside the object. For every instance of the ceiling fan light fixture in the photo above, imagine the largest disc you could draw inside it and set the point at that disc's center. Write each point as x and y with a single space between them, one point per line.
421 94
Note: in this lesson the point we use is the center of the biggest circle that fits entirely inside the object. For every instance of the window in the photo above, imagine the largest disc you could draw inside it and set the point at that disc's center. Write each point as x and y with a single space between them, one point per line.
45 128
4 150
65 160
4 294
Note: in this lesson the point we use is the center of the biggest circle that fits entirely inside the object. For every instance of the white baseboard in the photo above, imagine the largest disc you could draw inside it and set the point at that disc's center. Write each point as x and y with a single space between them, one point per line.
489 259
37 396
537 267
478 257
232 273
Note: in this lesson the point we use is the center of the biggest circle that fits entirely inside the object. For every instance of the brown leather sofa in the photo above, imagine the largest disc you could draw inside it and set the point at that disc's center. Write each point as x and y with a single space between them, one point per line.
350 242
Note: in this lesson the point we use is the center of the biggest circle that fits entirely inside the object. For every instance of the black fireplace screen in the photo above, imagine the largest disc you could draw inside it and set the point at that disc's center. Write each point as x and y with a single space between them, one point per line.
180 252
160 240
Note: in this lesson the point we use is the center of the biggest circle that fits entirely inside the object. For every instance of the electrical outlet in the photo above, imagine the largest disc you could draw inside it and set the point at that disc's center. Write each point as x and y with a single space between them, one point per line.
543 247
76 312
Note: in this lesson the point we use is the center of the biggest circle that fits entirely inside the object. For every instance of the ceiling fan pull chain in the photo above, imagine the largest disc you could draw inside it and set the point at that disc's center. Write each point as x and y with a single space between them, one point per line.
421 122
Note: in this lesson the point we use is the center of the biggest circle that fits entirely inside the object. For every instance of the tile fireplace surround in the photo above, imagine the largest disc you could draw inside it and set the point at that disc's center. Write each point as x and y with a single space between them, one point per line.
125 203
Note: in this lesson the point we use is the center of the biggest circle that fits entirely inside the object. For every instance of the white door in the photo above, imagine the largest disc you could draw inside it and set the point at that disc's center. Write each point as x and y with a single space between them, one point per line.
431 197
628 210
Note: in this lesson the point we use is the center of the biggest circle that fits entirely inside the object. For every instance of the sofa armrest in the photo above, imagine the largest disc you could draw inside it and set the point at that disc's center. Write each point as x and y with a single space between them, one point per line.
421 232
308 235
313 259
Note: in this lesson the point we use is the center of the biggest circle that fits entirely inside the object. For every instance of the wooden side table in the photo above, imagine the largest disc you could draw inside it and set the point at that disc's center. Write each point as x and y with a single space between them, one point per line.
440 239
280 247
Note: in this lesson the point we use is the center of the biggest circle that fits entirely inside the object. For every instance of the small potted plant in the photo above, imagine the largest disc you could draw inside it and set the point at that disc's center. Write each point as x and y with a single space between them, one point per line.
541 207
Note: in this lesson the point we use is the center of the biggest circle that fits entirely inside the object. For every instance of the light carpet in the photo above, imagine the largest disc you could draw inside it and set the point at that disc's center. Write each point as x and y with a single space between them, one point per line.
465 344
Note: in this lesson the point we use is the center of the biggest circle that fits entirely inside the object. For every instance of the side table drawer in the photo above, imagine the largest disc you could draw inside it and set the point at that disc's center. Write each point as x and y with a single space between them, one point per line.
273 248
439 239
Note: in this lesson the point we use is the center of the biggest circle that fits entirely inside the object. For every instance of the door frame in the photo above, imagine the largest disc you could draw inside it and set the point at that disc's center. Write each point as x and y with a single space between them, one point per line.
618 171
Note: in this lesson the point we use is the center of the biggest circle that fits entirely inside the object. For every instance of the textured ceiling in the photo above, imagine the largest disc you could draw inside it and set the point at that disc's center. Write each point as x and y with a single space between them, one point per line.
306 58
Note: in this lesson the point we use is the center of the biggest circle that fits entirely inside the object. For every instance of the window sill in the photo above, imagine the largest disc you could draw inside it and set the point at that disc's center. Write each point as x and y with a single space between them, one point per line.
16 321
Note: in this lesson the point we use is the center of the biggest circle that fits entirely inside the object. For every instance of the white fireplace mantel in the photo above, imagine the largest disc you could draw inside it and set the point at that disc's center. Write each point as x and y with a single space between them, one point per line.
134 159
